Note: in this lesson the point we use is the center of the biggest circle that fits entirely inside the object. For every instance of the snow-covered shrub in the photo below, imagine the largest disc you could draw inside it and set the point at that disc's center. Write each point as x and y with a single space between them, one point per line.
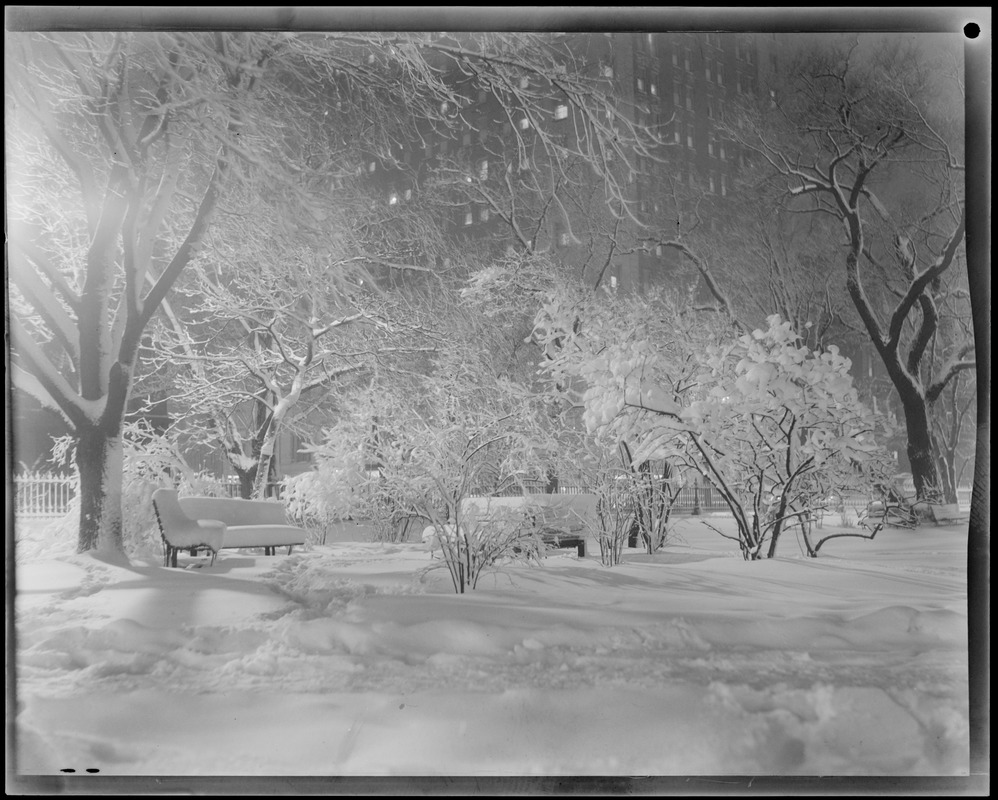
759 416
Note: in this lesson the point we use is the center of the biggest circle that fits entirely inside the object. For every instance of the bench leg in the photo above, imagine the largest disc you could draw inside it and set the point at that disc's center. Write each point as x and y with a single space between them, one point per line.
289 548
582 549
173 559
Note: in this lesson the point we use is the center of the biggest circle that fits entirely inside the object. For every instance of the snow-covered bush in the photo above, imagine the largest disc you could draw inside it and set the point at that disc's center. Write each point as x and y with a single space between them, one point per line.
759 416
319 498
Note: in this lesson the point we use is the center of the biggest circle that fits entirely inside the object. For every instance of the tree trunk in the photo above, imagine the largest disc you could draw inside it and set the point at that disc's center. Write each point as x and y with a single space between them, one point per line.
923 465
247 480
99 457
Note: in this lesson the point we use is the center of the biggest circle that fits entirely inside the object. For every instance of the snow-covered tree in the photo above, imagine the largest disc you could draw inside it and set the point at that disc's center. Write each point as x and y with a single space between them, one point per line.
123 145
867 135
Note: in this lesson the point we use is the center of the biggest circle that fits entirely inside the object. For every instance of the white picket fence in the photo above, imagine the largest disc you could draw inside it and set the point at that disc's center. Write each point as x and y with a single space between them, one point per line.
47 494
43 494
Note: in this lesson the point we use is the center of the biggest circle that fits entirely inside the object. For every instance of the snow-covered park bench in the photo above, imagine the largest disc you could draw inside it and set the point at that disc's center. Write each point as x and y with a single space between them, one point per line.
560 518
214 523
943 513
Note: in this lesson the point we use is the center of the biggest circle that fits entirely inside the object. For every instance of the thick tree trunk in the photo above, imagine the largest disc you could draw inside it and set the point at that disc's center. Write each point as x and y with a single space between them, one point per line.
99 455
923 465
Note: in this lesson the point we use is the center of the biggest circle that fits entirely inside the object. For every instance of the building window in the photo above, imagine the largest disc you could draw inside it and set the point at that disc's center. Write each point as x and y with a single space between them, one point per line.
641 85
466 139
468 217
689 136
483 215
483 169
721 152
711 183
720 74
706 71
408 194
724 185
710 145
658 250
371 166
678 134
524 124
607 72
687 60
524 82
710 108
653 89
561 111
562 239
676 99
738 83
689 101
613 281
675 58
393 199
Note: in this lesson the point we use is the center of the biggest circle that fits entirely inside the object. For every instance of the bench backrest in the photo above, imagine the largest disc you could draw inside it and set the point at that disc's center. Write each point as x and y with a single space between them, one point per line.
168 510
235 512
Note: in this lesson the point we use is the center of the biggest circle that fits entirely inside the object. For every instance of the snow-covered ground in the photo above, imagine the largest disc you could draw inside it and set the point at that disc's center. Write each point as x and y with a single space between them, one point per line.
356 658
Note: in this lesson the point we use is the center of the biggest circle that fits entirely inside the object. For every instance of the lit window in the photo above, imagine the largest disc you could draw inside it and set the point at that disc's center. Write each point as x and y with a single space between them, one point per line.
678 136
689 136
613 281
483 215
371 166
658 250
444 106
393 199
563 240
722 153
524 124
724 185
524 82
408 194
653 89
641 85
468 218
706 71
607 72
712 185
370 58
710 146
483 169
561 111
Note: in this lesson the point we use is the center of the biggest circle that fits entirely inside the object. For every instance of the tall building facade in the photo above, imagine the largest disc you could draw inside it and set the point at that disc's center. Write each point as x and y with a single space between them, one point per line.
679 84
